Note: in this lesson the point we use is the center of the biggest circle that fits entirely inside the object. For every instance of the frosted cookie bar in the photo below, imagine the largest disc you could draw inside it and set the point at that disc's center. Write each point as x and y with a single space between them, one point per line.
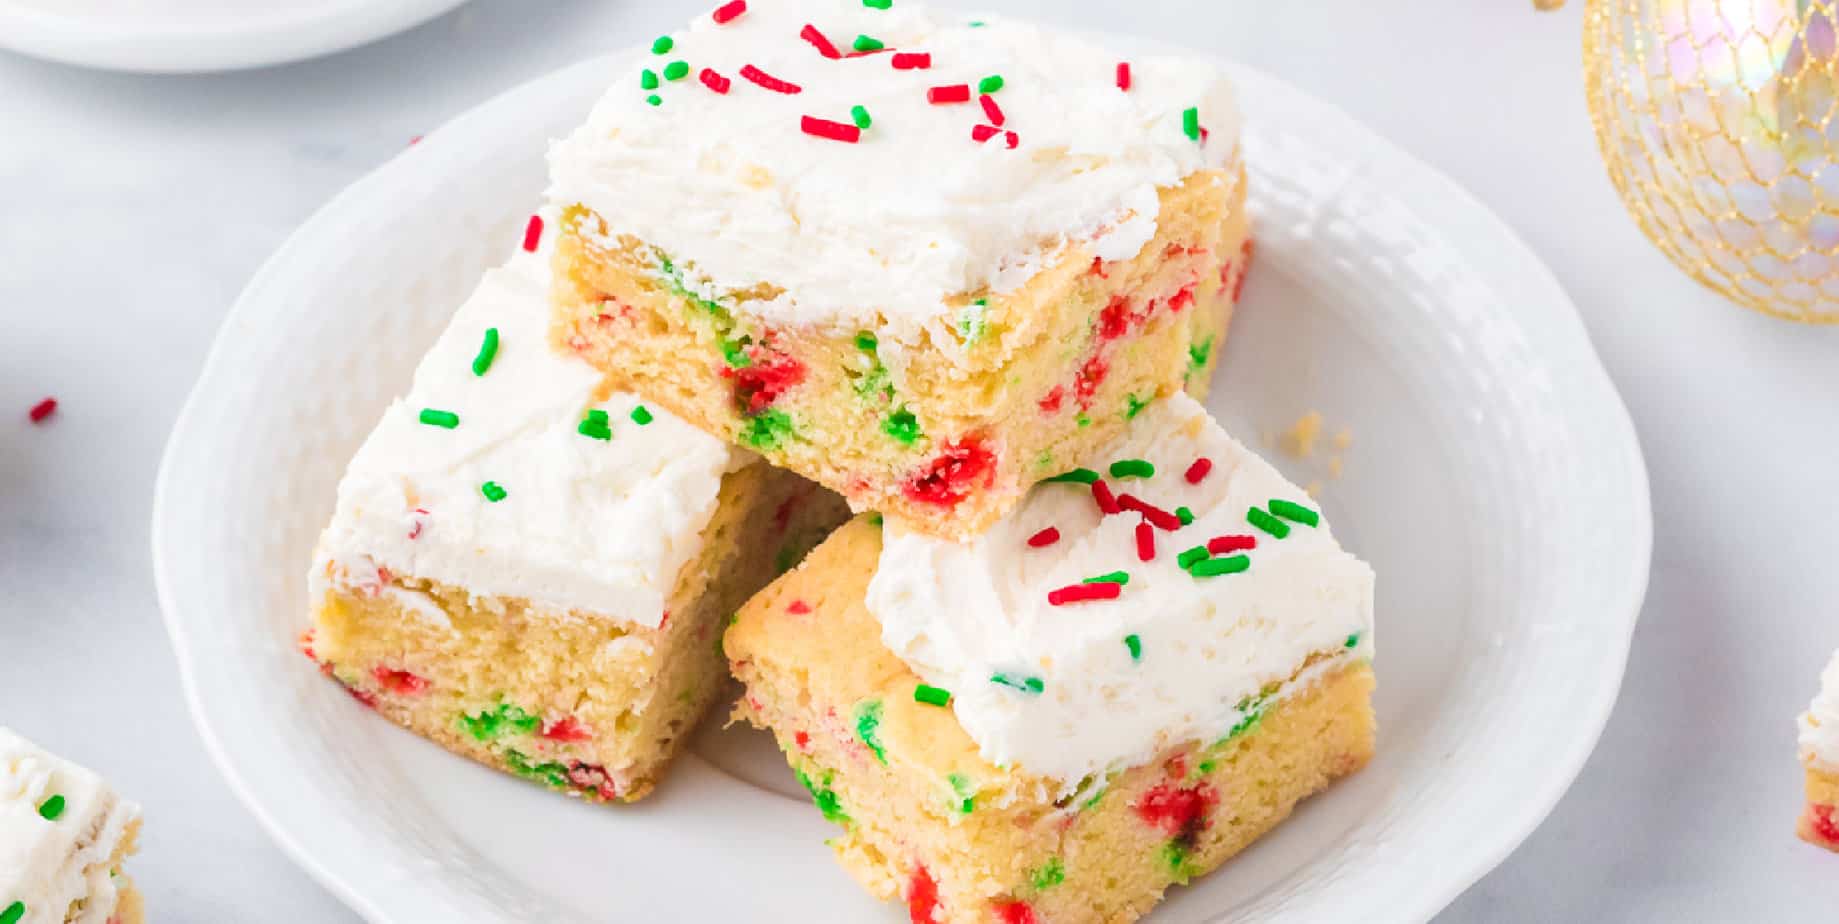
1819 750
64 834
532 569
920 260
1130 678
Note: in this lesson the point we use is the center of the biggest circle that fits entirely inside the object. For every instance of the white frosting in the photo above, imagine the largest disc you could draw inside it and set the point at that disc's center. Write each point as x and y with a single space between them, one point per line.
47 864
599 527
960 614
1820 723
878 234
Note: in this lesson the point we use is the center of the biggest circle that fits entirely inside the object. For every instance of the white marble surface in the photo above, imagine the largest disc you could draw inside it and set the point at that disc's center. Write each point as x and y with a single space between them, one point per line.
133 209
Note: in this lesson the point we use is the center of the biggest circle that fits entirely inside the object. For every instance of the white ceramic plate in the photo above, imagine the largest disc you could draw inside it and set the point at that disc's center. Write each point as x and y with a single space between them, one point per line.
1494 481
189 36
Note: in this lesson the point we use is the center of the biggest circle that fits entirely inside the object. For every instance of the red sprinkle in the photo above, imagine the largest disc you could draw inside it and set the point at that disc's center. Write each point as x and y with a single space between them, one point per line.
1821 820
798 608
802 739
922 898
1012 139
955 93
715 81
568 729
416 522
982 133
990 109
1016 912
363 696
965 466
401 682
1162 519
1101 492
762 79
1220 545
1076 593
726 13
1098 267
533 233
835 131
42 410
819 41
1180 813
912 61
1123 75
1146 542
1198 470
1045 537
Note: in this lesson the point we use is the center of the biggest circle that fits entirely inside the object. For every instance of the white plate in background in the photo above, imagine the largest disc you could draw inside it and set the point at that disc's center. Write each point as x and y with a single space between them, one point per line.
1494 482
191 36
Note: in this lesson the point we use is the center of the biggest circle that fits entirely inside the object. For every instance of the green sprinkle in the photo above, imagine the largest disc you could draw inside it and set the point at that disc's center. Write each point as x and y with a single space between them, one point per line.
1132 468
676 70
488 350
874 519
1206 766
1133 406
1270 524
976 23
866 342
902 426
865 43
1353 640
1213 567
13 913
655 99
499 721
1188 559
1185 515
931 695
597 415
825 797
878 4
662 45
1295 513
965 792
1175 854
648 79
492 491
1049 875
859 115
1082 420
972 320
550 772
1198 353
51 808
592 430
1135 645
768 430
1115 577
641 415
434 418
868 720
1190 123
734 352
1080 475
1025 684
990 84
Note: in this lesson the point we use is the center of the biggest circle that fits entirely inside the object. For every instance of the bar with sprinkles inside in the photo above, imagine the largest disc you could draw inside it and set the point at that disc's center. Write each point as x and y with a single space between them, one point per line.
533 570
1057 719
834 281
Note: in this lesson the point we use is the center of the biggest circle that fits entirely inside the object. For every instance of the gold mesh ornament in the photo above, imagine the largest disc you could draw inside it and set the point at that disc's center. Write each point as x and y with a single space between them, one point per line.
1716 119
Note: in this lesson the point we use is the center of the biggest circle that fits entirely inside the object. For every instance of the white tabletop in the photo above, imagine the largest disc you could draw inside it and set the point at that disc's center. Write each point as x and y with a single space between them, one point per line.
133 209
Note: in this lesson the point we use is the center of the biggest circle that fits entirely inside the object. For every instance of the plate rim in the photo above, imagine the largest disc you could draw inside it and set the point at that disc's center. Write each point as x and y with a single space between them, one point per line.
152 48
1418 903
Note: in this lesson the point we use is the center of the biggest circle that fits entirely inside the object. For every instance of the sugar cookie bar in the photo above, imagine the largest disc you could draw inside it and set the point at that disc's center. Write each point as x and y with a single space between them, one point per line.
1135 674
531 569
919 260
64 833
